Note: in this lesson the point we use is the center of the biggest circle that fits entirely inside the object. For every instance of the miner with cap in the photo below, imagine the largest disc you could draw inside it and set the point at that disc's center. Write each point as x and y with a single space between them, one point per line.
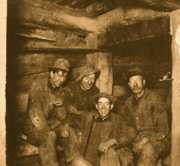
146 111
79 93
105 134
46 111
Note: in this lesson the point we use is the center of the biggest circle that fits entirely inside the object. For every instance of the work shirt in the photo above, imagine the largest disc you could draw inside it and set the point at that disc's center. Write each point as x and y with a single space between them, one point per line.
96 130
148 114
41 112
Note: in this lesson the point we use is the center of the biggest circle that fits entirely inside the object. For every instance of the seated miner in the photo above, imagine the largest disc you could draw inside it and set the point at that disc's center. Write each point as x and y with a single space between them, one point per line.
105 134
79 93
46 111
146 111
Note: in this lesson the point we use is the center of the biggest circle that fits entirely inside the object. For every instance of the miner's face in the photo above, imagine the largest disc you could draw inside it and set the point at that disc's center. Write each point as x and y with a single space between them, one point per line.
104 107
136 84
88 82
58 78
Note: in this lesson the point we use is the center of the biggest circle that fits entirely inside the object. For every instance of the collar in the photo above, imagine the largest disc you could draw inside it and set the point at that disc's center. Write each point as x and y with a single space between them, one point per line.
99 119
146 91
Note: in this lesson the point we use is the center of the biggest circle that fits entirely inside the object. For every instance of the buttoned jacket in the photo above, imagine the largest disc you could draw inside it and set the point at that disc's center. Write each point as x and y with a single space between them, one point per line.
150 117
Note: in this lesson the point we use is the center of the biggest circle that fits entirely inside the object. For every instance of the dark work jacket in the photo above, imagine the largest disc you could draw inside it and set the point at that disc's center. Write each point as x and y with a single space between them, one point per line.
79 98
149 117
41 114
116 128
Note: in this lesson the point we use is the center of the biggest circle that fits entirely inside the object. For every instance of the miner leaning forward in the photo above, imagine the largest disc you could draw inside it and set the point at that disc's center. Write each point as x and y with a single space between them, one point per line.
46 111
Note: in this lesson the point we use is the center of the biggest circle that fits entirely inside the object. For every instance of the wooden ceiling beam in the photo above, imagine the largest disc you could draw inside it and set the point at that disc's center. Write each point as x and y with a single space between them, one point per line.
143 30
99 8
163 4
63 18
120 17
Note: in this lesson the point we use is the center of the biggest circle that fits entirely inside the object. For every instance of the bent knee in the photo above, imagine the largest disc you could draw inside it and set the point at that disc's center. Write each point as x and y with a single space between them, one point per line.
80 161
49 139
148 149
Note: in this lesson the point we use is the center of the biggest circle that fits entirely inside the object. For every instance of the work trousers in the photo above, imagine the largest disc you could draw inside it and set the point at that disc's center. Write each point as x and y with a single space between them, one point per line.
151 151
47 146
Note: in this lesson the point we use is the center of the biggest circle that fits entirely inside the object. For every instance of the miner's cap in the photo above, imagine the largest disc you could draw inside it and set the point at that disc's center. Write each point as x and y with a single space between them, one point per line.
60 64
96 97
87 70
135 72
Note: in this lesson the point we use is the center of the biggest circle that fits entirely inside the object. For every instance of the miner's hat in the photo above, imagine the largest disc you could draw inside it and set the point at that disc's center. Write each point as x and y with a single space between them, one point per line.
60 64
104 95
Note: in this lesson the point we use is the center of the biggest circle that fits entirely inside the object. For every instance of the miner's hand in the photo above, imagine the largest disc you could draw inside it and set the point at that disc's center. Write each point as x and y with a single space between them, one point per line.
139 145
52 134
103 147
65 130
73 110
57 102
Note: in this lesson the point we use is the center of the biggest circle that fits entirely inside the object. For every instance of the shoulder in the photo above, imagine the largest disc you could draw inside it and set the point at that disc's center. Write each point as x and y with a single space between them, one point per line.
94 90
156 100
153 95
72 85
116 116
129 99
40 81
71 89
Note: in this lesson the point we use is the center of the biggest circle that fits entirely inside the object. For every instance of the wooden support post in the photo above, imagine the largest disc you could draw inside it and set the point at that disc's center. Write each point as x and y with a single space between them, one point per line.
103 61
175 150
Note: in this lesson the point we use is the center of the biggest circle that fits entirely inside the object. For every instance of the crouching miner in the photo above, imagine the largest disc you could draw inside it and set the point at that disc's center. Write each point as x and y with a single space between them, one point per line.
105 134
147 112
46 111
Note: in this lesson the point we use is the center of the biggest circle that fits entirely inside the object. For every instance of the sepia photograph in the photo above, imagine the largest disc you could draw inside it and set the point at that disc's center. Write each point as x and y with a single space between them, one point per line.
91 83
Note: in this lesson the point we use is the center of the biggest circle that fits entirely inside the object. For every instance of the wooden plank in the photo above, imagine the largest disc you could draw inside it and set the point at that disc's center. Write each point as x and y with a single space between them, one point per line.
61 50
163 4
99 8
32 63
22 24
175 150
49 15
143 30
38 34
102 61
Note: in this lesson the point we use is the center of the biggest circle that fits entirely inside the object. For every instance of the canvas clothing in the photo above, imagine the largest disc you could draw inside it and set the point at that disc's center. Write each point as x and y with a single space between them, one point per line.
43 117
148 115
96 131
79 98
41 113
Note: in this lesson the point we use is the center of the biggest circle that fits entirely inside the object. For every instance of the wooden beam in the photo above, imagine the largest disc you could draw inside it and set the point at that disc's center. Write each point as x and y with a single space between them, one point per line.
65 18
163 4
139 31
47 35
175 150
99 8
18 24
102 61
61 49
28 63
46 15
120 17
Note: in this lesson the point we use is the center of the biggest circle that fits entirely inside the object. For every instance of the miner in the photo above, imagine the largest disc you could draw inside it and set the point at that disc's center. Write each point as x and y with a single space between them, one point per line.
46 111
146 111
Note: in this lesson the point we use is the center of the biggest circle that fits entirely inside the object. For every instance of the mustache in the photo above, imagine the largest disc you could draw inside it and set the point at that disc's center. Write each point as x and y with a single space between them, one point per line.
136 88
